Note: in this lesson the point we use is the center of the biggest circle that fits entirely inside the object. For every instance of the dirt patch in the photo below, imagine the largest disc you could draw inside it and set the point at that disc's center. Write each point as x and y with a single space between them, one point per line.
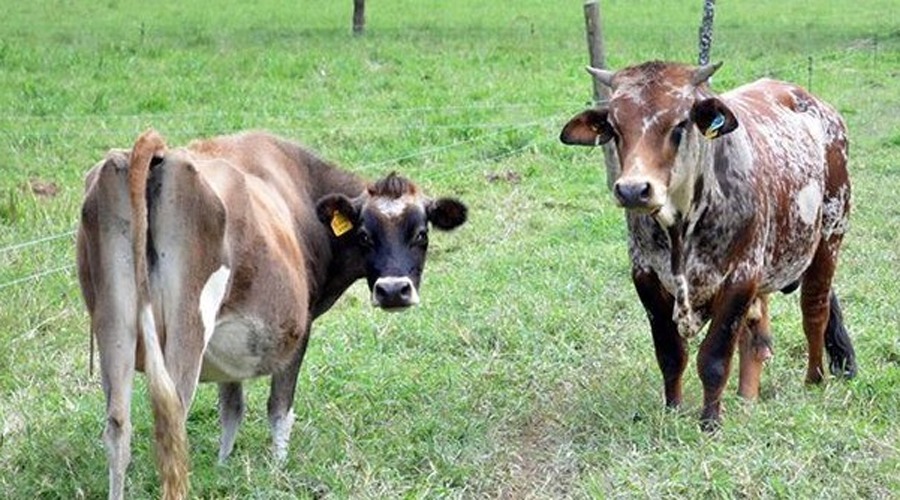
43 189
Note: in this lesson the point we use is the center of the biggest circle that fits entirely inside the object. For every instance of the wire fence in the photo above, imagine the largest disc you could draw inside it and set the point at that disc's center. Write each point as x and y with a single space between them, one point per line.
294 114
26 244
36 275
798 71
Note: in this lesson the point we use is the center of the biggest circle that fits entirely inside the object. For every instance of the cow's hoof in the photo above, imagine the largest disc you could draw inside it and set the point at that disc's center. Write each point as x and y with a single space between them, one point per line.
711 419
710 425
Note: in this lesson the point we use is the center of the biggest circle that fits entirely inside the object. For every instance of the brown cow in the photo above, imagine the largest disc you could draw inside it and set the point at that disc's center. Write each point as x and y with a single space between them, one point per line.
209 264
728 199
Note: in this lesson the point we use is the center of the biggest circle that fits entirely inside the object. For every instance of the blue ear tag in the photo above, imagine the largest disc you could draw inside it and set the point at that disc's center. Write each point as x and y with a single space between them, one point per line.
713 131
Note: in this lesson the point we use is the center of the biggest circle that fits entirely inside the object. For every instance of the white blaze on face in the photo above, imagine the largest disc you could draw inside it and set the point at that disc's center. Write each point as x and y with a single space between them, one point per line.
809 200
211 299
394 207
650 121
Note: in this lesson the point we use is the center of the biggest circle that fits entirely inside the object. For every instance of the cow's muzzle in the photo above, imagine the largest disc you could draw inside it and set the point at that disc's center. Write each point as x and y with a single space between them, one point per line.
394 293
634 194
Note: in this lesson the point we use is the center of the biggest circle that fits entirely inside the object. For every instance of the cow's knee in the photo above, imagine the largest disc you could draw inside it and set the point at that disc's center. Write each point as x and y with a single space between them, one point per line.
713 372
118 430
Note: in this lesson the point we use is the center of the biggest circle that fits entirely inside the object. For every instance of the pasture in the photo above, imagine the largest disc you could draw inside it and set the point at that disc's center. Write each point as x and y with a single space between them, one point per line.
528 369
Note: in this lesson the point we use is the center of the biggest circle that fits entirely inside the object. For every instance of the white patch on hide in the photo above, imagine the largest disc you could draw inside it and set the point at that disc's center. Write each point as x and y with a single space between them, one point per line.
211 299
809 200
683 314
835 219
281 435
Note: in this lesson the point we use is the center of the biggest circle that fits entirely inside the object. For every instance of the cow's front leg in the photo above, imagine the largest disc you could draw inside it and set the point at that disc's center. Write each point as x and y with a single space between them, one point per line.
714 360
671 352
231 411
281 400
755 347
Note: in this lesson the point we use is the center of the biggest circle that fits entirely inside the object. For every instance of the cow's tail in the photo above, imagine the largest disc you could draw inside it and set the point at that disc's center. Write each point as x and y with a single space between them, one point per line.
842 358
168 410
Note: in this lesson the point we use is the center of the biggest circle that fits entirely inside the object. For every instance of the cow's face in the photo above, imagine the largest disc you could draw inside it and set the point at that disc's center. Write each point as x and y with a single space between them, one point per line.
388 224
660 116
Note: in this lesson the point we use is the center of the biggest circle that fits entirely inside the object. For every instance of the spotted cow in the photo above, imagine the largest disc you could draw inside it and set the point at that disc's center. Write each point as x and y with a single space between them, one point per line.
209 263
728 199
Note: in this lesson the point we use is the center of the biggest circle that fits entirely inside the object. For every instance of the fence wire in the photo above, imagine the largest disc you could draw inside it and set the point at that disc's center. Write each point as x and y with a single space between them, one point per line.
37 275
806 67
26 244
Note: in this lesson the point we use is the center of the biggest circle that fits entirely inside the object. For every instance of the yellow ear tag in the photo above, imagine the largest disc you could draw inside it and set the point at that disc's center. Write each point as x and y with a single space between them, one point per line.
711 133
340 224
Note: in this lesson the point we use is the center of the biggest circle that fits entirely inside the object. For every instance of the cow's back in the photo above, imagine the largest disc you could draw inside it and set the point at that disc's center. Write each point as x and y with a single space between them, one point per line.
798 154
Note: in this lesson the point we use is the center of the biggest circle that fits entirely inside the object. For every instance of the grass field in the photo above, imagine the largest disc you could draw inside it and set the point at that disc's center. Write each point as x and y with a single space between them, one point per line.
528 370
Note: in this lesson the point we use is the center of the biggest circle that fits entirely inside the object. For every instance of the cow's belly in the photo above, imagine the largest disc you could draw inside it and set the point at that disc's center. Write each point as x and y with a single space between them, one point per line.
240 348
705 275
790 248
779 274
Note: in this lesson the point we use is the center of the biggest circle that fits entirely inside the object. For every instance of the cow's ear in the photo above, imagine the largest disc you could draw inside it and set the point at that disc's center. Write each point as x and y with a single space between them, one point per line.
338 212
713 118
588 128
446 213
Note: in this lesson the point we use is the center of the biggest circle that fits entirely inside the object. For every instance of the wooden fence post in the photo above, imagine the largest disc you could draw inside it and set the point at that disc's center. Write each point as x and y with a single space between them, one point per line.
706 31
359 17
594 31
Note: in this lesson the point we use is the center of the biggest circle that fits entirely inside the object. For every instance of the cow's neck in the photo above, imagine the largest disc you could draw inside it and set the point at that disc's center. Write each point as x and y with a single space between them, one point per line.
337 280
325 178
677 220
331 269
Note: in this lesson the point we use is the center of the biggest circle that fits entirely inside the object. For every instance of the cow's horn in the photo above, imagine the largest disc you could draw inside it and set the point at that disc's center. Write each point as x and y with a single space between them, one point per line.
703 73
603 76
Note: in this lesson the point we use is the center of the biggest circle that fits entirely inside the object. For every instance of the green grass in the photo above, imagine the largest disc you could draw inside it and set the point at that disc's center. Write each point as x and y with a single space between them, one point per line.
528 370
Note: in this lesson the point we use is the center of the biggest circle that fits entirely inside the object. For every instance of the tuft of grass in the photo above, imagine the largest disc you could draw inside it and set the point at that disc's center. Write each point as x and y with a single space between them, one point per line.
10 207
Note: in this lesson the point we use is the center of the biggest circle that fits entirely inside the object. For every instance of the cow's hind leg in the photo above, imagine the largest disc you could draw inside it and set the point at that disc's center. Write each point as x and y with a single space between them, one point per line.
231 412
106 271
117 367
281 400
755 346
822 318
188 275
671 352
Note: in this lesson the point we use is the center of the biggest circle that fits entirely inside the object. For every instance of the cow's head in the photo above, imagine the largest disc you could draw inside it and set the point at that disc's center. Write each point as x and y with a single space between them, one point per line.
660 116
388 224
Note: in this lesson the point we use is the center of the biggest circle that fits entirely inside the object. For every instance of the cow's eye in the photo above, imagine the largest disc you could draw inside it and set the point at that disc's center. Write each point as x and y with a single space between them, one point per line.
420 238
678 133
365 239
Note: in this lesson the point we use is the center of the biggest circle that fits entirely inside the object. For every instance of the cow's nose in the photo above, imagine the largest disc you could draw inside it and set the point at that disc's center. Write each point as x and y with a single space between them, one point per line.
633 194
394 293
